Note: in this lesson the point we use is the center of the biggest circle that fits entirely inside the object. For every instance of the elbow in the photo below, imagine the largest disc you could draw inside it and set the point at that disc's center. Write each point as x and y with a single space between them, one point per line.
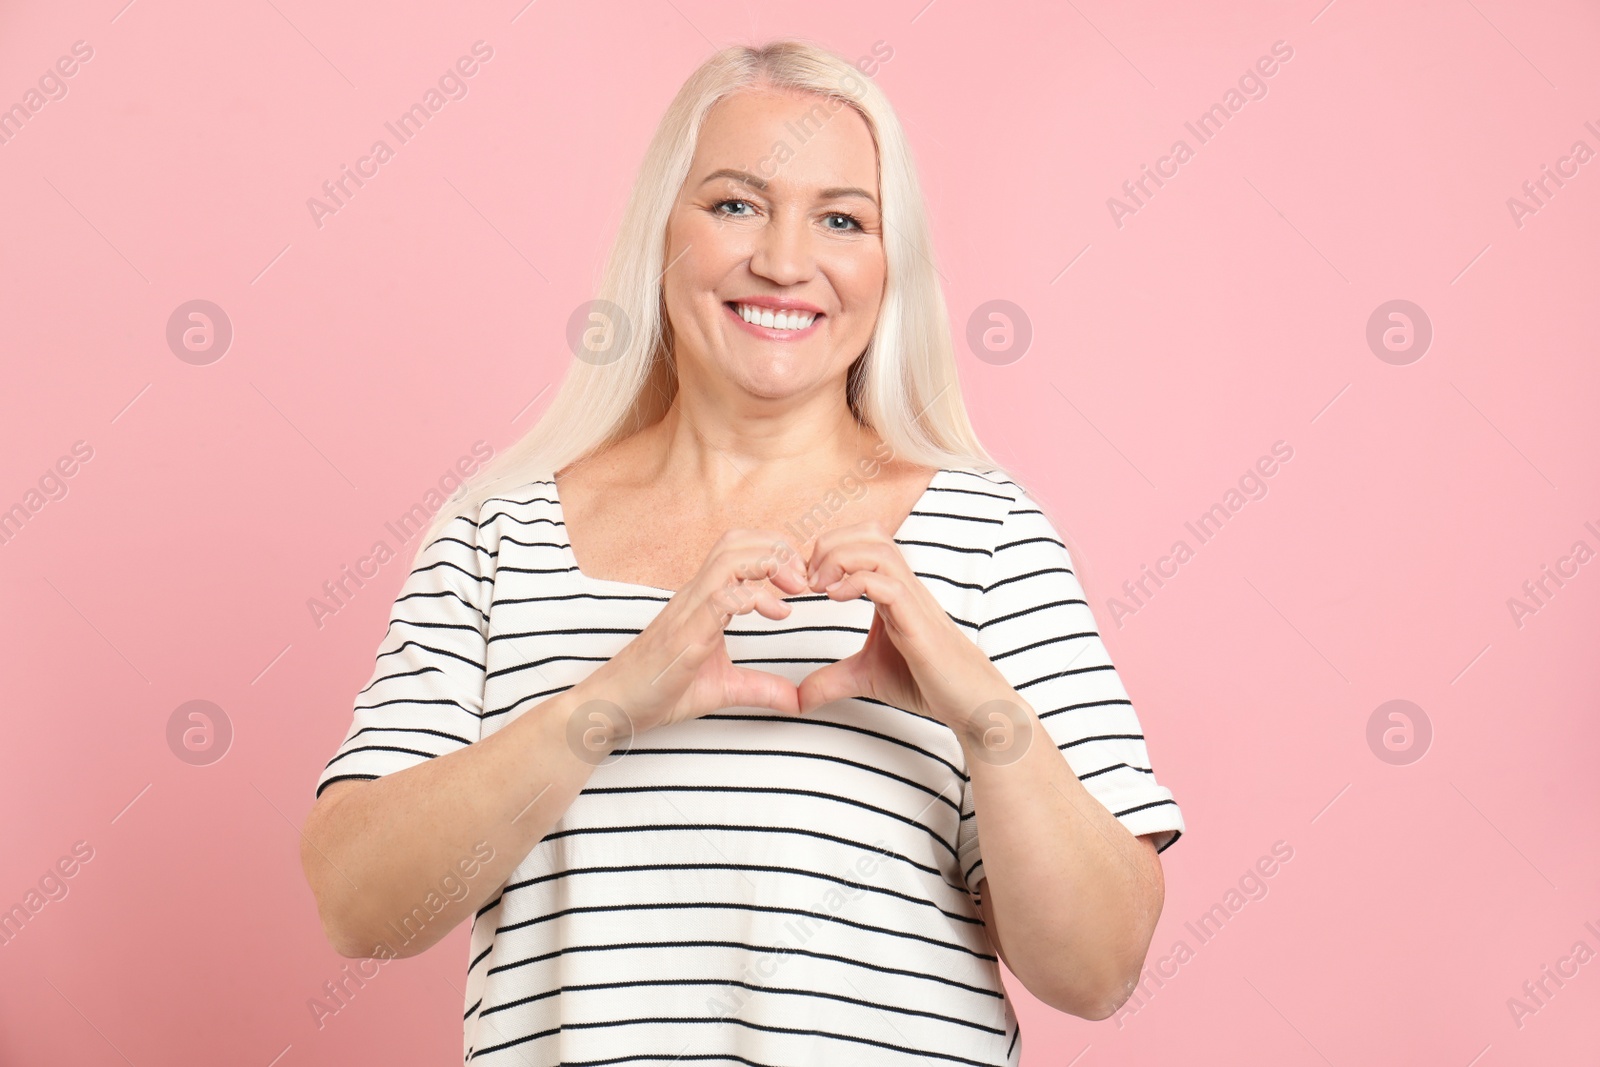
349 931
1095 991
348 947
346 935
1111 998
338 906
338 927
1089 998
353 930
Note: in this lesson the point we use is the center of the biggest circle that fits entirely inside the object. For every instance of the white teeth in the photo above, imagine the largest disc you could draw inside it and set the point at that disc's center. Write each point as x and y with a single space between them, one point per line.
781 320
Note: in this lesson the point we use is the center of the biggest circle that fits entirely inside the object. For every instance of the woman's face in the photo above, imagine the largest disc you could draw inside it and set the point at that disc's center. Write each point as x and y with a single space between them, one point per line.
779 213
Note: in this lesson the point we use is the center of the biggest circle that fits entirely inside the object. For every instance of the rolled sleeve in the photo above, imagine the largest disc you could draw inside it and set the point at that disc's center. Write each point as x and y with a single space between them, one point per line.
1038 630
425 695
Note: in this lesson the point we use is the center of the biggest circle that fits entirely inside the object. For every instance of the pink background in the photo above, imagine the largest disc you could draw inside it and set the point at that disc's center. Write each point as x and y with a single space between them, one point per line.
1226 314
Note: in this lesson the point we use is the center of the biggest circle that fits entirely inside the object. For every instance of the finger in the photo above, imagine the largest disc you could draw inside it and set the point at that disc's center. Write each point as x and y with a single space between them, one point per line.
870 530
848 557
828 541
772 607
896 609
836 681
868 547
745 596
735 579
760 689
758 556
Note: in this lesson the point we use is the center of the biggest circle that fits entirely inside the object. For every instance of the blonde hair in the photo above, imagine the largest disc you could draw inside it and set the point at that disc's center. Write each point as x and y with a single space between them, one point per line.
904 384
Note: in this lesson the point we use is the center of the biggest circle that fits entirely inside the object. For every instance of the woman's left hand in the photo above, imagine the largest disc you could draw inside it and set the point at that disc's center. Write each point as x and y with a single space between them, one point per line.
915 656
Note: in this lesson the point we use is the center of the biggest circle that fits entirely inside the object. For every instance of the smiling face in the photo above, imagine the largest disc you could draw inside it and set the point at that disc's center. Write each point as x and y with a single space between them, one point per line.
779 213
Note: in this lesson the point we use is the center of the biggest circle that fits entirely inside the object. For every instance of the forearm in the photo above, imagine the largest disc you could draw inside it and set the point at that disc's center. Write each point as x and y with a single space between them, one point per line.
1073 895
387 850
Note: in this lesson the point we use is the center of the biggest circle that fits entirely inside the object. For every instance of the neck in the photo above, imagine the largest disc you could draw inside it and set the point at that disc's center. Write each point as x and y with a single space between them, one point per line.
731 455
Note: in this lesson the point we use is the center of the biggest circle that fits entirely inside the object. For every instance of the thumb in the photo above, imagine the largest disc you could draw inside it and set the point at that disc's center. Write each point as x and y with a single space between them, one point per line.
836 681
760 689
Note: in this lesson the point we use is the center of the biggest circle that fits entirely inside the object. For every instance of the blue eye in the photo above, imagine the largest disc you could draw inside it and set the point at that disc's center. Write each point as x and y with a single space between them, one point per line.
845 215
717 207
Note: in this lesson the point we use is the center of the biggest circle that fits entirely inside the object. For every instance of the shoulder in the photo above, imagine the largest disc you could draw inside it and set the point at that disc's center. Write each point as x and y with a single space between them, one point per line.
1022 537
536 495
989 492
524 514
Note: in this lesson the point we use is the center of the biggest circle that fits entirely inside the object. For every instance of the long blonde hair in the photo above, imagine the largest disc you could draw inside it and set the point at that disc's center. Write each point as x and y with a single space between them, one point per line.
904 384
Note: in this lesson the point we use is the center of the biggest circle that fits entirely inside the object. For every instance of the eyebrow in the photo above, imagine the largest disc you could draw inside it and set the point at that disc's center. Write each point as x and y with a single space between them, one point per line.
746 178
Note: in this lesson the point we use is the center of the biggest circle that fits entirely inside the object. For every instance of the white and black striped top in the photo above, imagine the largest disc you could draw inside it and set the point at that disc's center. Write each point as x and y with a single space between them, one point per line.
747 887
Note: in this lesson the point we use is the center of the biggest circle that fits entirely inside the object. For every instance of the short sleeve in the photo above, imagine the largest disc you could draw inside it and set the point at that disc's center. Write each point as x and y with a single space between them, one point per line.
1036 627
425 694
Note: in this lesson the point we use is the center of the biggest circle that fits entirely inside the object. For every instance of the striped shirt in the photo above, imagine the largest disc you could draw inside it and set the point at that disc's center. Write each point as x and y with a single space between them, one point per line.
747 887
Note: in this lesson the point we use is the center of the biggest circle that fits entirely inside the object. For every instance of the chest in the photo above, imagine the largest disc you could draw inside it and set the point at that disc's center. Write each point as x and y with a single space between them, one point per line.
660 540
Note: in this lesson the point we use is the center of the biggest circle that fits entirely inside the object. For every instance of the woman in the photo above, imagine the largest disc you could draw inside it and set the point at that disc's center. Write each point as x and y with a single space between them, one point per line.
700 701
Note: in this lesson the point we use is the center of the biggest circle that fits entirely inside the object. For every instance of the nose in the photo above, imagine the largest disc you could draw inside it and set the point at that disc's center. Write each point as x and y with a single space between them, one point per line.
783 252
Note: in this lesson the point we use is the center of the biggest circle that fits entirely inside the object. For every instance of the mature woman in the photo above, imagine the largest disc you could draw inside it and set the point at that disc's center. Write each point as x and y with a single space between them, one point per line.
716 700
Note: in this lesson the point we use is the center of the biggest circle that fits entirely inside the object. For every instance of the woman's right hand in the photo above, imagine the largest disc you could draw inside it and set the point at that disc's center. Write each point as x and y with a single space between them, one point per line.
678 667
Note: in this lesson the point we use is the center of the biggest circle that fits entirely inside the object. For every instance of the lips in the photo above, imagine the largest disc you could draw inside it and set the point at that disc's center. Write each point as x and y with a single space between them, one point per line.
739 311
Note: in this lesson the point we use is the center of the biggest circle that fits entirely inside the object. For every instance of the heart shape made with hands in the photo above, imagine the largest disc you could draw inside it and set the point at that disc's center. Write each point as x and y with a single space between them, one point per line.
914 657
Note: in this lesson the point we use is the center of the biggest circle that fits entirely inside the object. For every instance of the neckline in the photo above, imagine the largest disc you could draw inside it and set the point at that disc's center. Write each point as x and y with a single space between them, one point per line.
572 557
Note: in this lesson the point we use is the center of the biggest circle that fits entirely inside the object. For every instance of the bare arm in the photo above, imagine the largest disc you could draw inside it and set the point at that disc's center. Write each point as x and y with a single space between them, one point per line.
381 855
1075 897
386 858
